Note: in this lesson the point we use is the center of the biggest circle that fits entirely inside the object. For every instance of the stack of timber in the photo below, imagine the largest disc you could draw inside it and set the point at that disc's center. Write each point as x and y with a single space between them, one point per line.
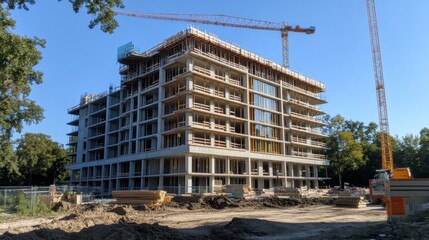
287 192
151 199
351 201
239 190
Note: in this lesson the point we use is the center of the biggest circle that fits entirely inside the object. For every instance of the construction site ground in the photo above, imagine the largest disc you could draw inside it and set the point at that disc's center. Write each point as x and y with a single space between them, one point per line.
215 218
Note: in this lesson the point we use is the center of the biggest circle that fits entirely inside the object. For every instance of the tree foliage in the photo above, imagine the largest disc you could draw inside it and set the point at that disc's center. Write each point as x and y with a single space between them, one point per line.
41 161
102 10
345 152
348 139
18 56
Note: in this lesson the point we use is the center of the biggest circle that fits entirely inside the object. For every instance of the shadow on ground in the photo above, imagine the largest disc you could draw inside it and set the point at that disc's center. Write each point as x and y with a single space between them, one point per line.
237 228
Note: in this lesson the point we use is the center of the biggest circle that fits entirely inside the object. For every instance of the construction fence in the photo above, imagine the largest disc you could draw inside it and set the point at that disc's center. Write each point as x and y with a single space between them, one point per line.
33 199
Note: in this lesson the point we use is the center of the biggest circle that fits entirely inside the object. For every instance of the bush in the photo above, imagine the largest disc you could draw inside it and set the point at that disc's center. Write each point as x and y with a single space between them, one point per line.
25 207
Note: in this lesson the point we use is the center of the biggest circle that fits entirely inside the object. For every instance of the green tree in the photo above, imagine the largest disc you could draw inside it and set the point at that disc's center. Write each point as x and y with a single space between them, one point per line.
406 155
423 154
102 10
345 152
41 160
18 56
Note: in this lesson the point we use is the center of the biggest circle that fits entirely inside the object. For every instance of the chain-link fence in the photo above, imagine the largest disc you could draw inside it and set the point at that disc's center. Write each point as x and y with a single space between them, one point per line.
33 199
24 199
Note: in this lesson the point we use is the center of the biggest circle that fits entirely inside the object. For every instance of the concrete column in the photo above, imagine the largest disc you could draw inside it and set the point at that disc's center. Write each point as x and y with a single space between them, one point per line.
226 89
189 101
161 95
316 175
260 168
228 141
247 166
189 83
188 137
211 164
212 122
315 171
212 105
212 139
270 169
290 170
161 166
227 109
228 167
188 164
307 171
188 184
299 170
189 64
212 70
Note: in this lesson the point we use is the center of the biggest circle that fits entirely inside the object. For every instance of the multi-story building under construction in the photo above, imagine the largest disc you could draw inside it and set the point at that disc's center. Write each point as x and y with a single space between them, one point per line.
194 113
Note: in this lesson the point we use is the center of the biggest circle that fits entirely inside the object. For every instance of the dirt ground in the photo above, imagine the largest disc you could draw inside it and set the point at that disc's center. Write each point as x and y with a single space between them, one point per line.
216 218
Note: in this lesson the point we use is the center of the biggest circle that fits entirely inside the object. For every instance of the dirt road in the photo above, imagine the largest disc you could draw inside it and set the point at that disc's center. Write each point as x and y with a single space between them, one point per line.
123 222
289 223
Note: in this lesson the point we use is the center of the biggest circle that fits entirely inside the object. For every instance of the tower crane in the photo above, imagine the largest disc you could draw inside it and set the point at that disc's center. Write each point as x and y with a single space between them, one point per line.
229 21
386 146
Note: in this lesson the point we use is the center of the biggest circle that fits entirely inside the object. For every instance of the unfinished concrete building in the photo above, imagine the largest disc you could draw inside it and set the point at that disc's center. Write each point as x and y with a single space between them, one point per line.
194 113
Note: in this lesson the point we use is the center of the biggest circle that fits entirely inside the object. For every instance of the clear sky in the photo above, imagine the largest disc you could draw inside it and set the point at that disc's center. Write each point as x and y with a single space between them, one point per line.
78 60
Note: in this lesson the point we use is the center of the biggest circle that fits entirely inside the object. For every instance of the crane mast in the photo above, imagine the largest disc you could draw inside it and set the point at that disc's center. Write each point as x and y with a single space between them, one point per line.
386 148
229 21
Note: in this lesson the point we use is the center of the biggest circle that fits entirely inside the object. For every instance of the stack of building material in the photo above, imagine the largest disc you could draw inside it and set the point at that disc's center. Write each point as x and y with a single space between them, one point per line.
217 186
287 192
239 190
149 198
351 201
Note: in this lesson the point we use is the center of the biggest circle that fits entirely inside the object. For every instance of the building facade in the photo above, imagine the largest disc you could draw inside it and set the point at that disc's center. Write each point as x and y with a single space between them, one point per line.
195 113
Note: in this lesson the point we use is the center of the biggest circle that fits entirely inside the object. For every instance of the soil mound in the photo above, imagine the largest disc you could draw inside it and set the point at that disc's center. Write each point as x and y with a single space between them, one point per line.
102 232
62 206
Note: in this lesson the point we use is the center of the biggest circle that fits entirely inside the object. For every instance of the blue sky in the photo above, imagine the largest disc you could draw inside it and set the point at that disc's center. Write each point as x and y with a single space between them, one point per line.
78 60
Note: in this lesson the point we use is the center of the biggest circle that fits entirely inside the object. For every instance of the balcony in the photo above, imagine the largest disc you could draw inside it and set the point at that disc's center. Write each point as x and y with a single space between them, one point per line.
304 104
208 73
217 58
219 110
202 70
235 97
218 93
201 141
318 144
300 90
308 155
201 88
307 130
204 124
306 117
220 127
201 106
237 145
220 143
299 140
